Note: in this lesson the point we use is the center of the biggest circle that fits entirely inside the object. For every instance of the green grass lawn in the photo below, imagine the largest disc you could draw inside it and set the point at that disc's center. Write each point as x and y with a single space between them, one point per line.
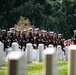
36 68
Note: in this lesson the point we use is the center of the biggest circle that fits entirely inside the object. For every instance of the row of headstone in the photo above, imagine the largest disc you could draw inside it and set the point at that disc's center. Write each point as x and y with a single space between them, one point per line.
61 54
37 55
30 53
34 54
17 60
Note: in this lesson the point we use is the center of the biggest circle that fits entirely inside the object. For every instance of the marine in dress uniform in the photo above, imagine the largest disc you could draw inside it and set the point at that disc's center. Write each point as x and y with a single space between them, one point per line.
36 38
74 37
51 33
12 36
3 38
60 41
44 37
30 36
55 40
24 39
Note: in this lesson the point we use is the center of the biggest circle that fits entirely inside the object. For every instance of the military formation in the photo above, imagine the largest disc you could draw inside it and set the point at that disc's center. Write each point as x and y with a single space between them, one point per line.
34 36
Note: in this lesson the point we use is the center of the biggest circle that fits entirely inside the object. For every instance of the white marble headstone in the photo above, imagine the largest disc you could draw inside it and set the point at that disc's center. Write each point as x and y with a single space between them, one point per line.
16 63
15 46
59 52
50 61
72 60
29 50
63 56
1 53
40 49
66 52
50 46
35 55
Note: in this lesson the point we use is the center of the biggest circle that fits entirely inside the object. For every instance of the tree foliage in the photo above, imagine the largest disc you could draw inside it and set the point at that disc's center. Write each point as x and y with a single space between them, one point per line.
56 15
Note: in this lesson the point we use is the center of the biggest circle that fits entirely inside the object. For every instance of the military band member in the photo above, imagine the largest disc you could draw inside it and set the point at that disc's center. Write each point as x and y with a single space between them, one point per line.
24 40
44 38
30 36
40 38
55 40
36 38
8 39
3 38
51 34
74 37
60 41
11 38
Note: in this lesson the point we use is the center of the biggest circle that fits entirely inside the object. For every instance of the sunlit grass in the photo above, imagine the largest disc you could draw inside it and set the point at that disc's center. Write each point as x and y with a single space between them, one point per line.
36 68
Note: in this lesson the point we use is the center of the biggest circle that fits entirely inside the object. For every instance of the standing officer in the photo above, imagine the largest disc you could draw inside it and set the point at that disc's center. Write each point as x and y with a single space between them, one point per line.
60 40
36 37
30 36
24 40
51 34
3 38
74 37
